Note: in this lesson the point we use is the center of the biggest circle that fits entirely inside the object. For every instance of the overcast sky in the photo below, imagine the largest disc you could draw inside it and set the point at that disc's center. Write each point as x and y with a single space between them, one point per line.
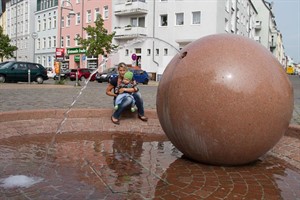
288 22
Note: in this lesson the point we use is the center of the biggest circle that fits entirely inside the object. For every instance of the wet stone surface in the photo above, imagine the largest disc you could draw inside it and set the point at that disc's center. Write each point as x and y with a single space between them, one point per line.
99 165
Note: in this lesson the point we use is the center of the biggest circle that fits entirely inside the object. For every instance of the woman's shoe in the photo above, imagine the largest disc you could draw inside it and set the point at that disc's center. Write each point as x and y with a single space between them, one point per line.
114 120
143 118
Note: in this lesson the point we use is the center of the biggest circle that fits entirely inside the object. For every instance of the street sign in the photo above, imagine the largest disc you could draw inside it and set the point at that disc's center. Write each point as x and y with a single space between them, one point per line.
133 56
34 35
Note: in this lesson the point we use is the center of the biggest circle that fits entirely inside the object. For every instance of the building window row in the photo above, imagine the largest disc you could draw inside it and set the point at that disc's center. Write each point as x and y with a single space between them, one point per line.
179 19
45 4
44 43
46 23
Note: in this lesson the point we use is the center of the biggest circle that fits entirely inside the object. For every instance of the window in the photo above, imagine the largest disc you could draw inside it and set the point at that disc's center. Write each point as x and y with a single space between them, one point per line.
76 41
126 52
179 18
77 18
54 22
54 41
165 52
38 25
97 13
77 1
44 43
68 21
164 20
49 42
157 51
137 22
138 51
196 17
49 60
88 16
148 52
105 12
49 23
44 60
68 41
44 25
38 43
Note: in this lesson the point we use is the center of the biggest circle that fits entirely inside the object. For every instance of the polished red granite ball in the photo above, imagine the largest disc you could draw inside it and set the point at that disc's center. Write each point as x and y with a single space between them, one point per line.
224 100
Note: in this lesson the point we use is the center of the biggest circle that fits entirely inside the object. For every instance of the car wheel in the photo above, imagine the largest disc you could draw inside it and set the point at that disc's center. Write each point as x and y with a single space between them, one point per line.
82 78
39 80
2 78
145 83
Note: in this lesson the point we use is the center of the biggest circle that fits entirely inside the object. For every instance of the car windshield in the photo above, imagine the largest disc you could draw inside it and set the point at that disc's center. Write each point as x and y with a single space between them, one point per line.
73 70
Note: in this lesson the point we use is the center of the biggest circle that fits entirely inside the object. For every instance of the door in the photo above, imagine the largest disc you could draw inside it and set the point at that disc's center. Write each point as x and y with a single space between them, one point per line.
18 72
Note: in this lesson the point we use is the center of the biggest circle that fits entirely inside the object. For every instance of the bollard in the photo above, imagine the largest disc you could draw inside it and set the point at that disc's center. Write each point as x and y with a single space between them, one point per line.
28 76
77 82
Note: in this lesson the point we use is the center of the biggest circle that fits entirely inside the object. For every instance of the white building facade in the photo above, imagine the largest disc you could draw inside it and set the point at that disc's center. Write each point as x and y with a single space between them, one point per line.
164 27
20 26
46 30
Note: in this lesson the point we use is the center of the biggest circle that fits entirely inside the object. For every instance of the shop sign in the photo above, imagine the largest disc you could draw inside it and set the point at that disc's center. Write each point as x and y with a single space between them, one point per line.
71 51
77 58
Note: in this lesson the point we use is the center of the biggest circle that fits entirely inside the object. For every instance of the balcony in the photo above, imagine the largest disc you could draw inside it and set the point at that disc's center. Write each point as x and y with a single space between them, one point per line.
131 8
129 32
257 25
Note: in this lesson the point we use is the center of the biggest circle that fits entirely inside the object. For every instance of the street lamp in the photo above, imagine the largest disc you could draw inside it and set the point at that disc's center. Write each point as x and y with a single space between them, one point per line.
71 14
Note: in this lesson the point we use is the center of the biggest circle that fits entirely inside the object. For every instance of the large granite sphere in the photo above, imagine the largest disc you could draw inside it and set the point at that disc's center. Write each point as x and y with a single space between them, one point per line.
224 100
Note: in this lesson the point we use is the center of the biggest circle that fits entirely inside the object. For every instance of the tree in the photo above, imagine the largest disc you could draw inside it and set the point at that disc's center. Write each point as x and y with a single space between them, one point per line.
6 49
99 42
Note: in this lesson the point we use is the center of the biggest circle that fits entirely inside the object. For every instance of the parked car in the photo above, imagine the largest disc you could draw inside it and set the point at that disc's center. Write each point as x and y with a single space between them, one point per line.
105 75
65 73
50 72
83 73
140 76
17 71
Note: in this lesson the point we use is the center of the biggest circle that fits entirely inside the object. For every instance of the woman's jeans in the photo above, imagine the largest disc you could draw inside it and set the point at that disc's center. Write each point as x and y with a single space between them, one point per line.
127 102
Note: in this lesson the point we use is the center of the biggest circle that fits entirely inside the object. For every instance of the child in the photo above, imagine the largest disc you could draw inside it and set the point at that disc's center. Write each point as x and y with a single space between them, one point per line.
126 83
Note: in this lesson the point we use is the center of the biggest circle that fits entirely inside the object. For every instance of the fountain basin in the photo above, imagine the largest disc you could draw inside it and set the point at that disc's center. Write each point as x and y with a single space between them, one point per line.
93 159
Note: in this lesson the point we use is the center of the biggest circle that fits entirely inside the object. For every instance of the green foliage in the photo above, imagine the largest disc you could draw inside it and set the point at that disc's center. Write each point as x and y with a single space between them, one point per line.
99 42
6 49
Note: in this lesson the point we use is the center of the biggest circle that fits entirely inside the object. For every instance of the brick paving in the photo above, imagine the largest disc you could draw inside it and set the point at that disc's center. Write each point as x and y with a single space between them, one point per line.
91 158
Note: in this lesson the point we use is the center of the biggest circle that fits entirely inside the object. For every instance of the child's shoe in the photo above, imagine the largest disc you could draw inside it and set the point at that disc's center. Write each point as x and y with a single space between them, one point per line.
116 107
132 109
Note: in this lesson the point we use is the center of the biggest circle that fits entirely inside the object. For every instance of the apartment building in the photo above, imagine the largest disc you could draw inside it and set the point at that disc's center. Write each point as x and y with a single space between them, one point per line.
71 27
45 36
20 26
163 27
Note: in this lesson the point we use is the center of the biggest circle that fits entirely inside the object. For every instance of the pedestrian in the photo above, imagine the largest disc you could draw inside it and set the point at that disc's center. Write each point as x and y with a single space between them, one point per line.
113 83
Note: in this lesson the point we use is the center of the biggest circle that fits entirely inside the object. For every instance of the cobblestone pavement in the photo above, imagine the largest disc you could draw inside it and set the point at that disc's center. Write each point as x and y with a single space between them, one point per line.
95 159
23 96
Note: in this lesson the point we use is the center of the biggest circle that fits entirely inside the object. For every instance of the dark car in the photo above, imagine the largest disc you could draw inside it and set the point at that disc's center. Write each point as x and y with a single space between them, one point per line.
105 75
83 74
140 76
18 71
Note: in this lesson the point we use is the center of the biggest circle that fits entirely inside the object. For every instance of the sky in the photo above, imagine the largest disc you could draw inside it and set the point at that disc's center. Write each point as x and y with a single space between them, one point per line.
287 17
